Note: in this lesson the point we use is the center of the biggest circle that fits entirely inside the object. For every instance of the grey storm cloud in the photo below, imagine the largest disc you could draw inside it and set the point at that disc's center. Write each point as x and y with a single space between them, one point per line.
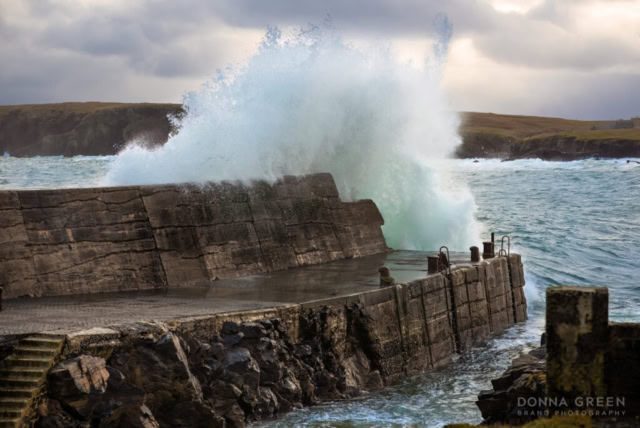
56 50
542 38
146 31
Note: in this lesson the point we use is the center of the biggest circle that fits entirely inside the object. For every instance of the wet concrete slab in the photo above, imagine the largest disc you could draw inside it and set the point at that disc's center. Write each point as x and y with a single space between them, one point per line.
339 278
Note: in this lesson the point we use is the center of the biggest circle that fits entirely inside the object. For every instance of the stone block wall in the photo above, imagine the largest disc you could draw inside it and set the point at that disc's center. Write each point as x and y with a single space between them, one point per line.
68 241
409 328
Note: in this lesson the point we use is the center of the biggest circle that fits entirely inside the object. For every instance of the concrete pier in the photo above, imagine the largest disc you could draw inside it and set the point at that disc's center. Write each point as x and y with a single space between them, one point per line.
330 328
221 304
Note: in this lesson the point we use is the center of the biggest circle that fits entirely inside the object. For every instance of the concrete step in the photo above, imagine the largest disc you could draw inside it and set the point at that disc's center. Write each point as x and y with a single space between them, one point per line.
20 382
23 351
14 361
13 403
60 337
21 372
17 392
12 413
41 342
10 422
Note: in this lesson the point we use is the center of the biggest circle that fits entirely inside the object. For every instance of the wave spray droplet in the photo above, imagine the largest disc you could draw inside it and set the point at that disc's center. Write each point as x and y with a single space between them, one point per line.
312 103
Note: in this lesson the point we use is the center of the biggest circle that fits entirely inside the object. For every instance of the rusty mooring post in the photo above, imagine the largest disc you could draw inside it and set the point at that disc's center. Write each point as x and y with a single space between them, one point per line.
385 276
433 264
0 299
487 250
475 254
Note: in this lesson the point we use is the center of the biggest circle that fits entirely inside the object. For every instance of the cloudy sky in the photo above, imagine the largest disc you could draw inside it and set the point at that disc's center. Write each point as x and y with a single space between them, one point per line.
567 58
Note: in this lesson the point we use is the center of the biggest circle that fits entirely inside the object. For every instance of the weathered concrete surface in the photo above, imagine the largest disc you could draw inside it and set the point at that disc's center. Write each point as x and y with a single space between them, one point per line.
577 334
332 280
316 282
78 241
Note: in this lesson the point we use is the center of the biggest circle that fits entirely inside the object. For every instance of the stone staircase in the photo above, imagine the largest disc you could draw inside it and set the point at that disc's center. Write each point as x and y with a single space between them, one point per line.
22 376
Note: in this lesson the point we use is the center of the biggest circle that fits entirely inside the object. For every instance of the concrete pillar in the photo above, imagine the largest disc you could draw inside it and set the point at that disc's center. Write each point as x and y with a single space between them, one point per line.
577 332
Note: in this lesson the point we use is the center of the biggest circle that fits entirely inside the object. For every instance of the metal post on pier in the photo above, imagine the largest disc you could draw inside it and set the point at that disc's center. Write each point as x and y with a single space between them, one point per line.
488 251
433 264
475 254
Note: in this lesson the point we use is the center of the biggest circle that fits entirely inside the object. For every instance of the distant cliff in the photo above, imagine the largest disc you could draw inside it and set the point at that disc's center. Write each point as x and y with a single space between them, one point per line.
70 129
487 135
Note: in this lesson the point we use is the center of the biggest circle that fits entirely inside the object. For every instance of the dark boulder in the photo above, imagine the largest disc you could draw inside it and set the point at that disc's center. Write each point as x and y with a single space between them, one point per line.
79 383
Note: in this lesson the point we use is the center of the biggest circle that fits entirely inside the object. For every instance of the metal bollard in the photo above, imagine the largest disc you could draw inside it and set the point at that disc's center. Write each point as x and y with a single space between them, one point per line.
385 276
475 254
433 264
488 251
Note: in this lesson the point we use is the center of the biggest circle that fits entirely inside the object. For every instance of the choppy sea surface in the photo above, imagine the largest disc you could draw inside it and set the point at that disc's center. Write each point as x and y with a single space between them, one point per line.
575 223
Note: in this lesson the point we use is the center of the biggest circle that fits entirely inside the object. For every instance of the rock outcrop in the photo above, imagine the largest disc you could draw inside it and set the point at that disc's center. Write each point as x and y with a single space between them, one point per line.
78 383
524 380
247 371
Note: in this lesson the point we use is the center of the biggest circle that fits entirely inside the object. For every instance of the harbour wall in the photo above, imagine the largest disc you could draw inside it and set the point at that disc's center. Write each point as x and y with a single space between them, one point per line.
231 369
78 241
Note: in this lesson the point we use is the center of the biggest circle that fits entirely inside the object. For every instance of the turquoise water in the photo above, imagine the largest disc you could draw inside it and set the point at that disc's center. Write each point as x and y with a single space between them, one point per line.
573 222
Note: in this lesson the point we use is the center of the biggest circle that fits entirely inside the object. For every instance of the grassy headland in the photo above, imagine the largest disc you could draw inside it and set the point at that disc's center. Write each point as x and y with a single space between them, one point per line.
511 136
90 128
95 128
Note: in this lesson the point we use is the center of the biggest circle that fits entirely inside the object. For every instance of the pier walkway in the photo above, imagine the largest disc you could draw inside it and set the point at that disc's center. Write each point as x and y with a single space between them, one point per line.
343 277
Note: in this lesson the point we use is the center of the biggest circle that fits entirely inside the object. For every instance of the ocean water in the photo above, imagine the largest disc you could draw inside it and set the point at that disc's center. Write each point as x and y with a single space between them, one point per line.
574 223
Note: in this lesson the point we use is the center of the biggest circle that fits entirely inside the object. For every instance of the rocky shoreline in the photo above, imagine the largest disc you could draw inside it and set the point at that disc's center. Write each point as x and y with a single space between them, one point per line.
525 379
248 371
552 148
